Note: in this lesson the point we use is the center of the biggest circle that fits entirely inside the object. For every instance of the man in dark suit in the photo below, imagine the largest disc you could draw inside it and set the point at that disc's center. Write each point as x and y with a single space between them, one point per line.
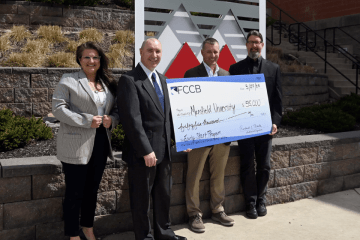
218 154
255 185
144 109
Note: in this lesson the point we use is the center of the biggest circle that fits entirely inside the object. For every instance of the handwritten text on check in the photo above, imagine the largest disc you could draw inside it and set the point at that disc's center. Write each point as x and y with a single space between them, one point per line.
213 110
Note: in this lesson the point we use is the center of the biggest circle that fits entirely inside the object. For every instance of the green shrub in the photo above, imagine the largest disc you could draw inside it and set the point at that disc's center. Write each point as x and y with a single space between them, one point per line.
16 131
117 137
351 105
326 118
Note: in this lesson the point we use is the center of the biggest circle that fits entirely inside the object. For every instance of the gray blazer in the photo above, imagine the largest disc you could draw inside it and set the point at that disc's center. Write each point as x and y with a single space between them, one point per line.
74 106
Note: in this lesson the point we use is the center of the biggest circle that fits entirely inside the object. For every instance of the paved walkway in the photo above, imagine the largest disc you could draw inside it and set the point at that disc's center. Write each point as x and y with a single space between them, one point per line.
329 217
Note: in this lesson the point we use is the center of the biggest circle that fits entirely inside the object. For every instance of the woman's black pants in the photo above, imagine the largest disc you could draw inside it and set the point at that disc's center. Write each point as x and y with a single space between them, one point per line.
82 183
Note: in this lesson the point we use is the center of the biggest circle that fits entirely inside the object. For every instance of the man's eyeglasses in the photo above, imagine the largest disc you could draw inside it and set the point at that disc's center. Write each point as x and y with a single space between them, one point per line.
96 59
252 42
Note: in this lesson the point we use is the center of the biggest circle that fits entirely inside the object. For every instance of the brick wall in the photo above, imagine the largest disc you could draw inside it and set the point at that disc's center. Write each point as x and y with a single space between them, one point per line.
28 91
78 17
32 189
309 10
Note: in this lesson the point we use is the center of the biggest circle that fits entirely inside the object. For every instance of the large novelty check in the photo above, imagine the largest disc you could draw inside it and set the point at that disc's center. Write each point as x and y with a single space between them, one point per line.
213 110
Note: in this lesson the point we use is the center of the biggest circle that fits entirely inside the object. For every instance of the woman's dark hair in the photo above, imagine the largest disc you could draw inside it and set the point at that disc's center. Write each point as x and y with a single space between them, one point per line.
103 73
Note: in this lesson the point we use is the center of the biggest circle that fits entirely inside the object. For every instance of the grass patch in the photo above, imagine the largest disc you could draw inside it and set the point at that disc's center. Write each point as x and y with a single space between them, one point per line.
124 36
25 59
91 34
4 43
62 59
51 33
19 33
72 45
38 46
118 52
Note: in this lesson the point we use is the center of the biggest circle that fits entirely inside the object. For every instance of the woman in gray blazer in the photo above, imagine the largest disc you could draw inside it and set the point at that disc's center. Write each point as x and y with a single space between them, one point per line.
84 103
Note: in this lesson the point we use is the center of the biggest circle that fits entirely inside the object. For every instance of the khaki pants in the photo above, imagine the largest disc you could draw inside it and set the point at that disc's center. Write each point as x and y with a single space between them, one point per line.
218 155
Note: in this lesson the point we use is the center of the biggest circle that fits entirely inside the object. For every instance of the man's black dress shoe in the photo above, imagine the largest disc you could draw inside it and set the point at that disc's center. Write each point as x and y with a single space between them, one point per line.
176 237
261 209
251 211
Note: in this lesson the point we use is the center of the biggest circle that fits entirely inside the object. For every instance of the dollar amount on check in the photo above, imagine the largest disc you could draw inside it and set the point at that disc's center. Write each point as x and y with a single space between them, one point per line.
213 110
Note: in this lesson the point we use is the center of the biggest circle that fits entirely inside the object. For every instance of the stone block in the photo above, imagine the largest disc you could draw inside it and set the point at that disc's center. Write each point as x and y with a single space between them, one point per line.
26 233
344 167
29 10
41 109
17 167
279 159
289 176
178 194
1 217
19 109
50 93
106 203
234 203
61 71
48 186
5 70
14 19
233 166
122 201
351 150
178 214
53 231
29 70
352 181
204 190
14 80
52 11
331 185
232 185
113 179
303 156
205 208
89 14
278 195
71 13
109 224
47 20
303 190
330 153
45 80
87 23
178 173
271 182
15 189
29 213
26 95
8 9
317 171
7 95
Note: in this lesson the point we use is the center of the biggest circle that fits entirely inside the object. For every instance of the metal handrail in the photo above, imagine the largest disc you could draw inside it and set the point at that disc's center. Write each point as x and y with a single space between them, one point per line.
326 43
334 29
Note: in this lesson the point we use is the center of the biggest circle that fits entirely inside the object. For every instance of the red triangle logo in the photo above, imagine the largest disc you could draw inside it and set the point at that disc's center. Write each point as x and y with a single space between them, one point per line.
226 58
184 61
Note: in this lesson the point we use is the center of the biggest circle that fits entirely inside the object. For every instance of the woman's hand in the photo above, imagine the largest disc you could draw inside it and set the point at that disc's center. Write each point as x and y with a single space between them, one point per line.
96 121
107 121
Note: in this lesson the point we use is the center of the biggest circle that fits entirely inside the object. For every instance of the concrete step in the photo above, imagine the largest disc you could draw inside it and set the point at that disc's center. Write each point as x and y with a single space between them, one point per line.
330 70
337 76
340 83
321 65
332 60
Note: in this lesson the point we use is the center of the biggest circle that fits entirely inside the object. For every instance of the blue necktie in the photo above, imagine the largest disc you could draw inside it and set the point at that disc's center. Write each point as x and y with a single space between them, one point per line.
157 90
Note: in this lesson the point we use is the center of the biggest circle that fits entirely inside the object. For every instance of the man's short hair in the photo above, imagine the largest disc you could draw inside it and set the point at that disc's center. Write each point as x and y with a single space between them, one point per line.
211 41
254 33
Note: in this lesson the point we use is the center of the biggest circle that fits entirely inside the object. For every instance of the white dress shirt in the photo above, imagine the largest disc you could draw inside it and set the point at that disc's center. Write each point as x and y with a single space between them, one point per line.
149 74
210 71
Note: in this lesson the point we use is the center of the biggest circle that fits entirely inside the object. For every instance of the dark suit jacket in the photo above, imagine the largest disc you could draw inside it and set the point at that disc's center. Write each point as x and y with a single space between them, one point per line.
200 71
147 127
272 73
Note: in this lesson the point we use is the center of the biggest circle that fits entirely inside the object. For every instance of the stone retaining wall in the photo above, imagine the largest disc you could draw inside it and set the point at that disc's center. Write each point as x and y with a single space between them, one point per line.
76 17
304 89
32 189
28 91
